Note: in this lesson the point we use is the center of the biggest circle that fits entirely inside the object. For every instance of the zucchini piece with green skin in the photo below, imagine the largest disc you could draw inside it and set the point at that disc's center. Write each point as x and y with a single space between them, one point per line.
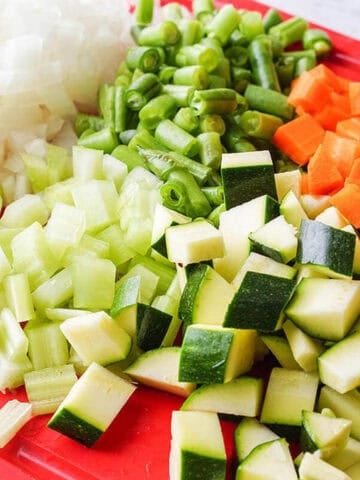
325 308
235 226
354 471
292 210
205 297
193 242
288 181
339 366
347 456
314 468
276 239
356 263
197 447
288 393
152 325
323 432
268 461
259 302
344 405
241 396
305 348
158 368
249 434
280 348
83 420
326 248
213 354
247 175
112 344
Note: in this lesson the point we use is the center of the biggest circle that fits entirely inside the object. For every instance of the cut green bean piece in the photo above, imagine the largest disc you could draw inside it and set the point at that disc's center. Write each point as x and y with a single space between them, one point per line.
128 156
193 75
105 139
261 60
175 138
126 135
289 31
259 125
212 122
223 23
303 64
285 67
318 40
191 31
214 216
160 34
144 11
223 70
237 55
172 11
120 107
241 77
202 6
210 149
144 139
271 18
84 122
156 110
216 81
268 101
235 141
147 59
166 73
186 119
106 104
214 194
217 100
197 54
251 25
141 90
180 93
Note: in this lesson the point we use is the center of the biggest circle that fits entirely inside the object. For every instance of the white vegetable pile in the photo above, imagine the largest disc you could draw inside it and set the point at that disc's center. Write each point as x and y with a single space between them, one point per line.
54 54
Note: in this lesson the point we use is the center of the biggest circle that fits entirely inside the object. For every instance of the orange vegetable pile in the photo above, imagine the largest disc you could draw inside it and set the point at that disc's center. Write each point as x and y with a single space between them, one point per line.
324 138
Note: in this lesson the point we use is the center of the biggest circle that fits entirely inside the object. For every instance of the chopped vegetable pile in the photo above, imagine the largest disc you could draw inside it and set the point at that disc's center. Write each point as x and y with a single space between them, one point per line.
204 224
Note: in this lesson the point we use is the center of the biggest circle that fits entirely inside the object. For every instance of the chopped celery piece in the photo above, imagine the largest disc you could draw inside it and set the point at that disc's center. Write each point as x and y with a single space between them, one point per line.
98 199
59 192
93 282
112 342
6 237
12 372
165 272
32 255
65 227
119 252
13 341
59 163
139 195
47 345
115 170
25 211
37 171
13 416
54 292
5 266
78 363
88 246
87 163
148 284
61 314
18 296
48 387
124 307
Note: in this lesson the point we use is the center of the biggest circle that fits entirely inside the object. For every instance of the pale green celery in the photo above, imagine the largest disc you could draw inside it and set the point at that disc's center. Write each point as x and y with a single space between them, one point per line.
54 292
166 273
48 387
24 211
114 170
87 163
148 282
5 266
6 237
98 199
119 252
75 360
13 341
139 195
12 372
32 255
61 314
65 228
37 171
18 296
13 416
47 345
93 282
59 192
59 163
88 246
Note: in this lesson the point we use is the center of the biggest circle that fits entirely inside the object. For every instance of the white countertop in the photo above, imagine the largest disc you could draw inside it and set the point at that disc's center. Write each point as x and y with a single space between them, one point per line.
341 16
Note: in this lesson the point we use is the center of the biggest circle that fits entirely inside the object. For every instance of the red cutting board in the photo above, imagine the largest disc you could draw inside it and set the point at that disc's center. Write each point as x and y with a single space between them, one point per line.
136 446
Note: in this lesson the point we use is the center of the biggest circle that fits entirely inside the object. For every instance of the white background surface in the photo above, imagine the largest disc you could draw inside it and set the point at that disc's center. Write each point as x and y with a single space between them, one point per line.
339 15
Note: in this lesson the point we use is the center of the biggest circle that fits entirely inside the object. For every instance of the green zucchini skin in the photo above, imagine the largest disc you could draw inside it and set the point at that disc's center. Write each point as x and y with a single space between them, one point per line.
259 302
151 326
326 248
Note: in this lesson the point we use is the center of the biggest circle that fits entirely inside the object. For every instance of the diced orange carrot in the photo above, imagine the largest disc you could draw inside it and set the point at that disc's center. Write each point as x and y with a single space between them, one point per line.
310 92
304 183
300 110
349 128
347 201
341 150
342 101
299 138
323 176
354 97
330 116
354 175
326 75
